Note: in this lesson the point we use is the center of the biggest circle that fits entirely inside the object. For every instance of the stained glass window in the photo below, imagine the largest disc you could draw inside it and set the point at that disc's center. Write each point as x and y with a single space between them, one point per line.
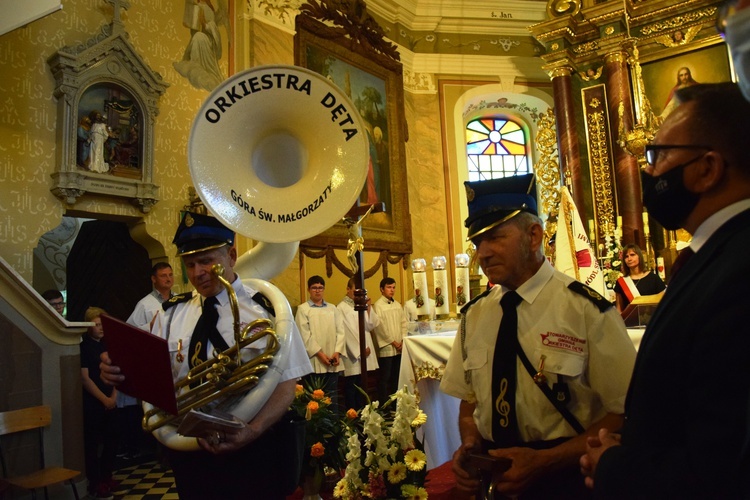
496 148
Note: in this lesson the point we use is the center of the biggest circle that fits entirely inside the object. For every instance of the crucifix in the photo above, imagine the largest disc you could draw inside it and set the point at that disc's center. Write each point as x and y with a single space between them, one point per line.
353 220
117 5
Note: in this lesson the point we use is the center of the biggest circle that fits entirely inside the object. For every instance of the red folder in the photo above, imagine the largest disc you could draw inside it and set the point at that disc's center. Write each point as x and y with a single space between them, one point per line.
144 360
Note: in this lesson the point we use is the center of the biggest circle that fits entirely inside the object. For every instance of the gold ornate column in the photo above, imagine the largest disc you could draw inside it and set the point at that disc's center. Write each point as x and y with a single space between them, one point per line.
627 174
567 135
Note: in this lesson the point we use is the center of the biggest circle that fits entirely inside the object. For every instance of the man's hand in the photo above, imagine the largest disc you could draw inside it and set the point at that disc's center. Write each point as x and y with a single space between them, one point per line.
227 441
528 465
467 479
595 447
109 373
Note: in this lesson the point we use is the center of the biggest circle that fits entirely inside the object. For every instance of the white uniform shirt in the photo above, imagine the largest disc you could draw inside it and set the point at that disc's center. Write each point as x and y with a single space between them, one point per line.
145 310
590 348
178 322
410 309
322 329
352 365
392 325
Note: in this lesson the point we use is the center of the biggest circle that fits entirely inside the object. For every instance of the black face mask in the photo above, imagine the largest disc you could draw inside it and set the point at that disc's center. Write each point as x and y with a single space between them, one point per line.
666 198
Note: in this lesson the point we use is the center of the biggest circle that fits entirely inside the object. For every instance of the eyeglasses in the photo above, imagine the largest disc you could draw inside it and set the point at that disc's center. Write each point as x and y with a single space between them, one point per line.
653 151
317 288
57 304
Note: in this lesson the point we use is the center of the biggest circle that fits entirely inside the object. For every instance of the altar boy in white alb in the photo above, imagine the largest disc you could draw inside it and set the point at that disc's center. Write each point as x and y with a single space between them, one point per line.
352 362
389 336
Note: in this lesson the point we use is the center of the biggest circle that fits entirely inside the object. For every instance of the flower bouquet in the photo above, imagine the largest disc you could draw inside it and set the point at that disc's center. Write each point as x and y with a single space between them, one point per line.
323 431
611 261
384 457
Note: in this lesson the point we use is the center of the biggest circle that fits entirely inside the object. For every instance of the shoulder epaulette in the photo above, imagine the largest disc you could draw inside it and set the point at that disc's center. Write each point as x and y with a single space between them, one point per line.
263 301
177 299
472 301
591 294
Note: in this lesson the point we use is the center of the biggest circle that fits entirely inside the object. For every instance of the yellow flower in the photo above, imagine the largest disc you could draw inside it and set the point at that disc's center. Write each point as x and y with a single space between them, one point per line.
413 492
351 413
420 419
327 400
298 390
341 490
397 473
317 450
415 460
312 407
318 394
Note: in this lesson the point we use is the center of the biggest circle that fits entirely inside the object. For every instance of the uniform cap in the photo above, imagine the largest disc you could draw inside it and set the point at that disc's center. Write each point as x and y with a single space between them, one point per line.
198 233
495 201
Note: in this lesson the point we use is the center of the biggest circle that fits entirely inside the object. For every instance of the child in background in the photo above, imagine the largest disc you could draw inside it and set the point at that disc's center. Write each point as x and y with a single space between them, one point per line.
99 403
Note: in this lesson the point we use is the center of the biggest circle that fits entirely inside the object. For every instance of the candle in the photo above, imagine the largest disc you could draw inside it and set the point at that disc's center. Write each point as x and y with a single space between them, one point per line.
462 279
421 296
440 281
645 218
591 226
619 221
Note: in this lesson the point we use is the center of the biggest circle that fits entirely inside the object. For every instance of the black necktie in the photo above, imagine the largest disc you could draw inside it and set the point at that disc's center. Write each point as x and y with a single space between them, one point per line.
205 331
681 260
504 422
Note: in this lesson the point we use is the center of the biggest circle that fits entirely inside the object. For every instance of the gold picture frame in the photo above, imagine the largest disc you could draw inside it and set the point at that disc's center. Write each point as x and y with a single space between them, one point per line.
704 63
374 81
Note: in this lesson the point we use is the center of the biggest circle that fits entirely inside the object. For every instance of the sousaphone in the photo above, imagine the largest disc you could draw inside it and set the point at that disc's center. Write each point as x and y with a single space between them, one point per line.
278 154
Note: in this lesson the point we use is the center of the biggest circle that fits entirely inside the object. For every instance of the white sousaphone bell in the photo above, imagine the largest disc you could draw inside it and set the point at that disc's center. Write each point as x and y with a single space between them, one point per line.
278 154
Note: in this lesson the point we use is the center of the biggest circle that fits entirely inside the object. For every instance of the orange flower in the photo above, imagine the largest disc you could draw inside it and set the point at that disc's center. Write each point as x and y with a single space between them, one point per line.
351 413
317 450
318 394
327 401
312 407
298 390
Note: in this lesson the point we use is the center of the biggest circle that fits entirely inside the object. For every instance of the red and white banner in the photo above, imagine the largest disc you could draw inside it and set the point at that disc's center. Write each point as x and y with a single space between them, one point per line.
573 253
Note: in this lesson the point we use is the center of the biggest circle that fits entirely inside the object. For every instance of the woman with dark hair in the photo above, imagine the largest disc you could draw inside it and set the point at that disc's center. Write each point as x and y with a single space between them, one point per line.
637 279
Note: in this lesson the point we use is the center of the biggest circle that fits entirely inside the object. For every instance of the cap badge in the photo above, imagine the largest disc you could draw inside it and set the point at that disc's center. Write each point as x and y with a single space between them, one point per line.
189 221
469 194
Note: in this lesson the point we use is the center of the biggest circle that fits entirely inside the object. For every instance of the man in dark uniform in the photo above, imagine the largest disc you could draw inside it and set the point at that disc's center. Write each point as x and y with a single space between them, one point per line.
537 375
687 406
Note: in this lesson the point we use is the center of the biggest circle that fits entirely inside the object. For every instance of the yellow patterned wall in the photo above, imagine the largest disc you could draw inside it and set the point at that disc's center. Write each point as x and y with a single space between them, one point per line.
28 121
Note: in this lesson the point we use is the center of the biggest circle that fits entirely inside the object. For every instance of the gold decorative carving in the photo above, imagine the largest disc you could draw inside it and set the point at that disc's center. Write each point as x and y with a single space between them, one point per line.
634 137
558 8
554 46
618 57
679 21
560 71
591 74
609 30
548 170
597 132
586 47
679 37
350 18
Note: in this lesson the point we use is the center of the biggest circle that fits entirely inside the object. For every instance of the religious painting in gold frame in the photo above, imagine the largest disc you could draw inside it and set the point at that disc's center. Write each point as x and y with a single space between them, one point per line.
374 82
701 64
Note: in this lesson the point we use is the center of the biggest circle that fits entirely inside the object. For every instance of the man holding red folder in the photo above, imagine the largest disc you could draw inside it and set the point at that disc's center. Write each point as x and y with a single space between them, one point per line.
249 460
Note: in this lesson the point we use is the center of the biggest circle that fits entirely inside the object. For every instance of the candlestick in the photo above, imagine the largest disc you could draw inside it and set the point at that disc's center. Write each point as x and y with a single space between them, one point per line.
421 295
440 281
462 279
